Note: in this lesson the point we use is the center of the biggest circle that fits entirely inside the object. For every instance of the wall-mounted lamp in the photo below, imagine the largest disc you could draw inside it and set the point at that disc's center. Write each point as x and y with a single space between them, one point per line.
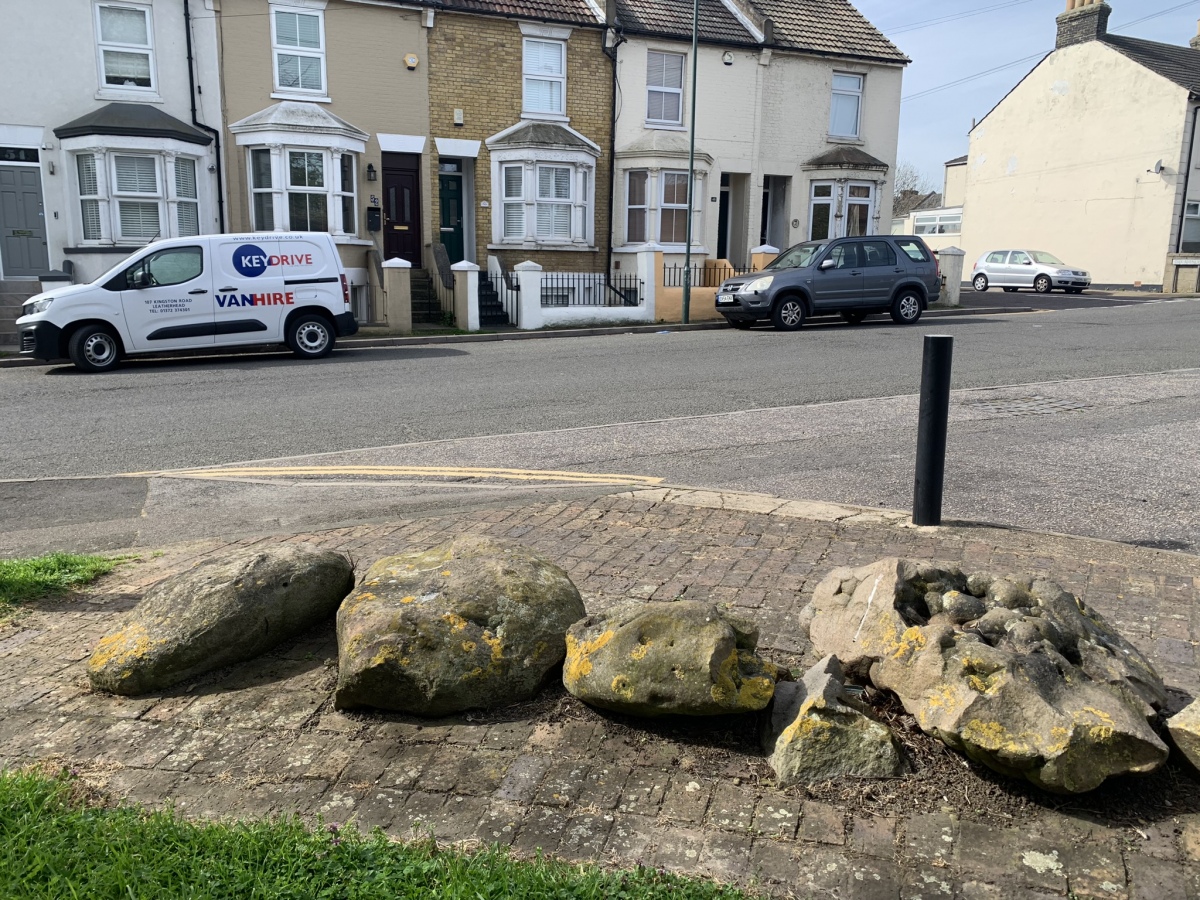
371 175
51 167
727 58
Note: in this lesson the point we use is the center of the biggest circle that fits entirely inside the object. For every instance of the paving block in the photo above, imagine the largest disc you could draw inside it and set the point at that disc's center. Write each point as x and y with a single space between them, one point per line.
686 800
822 823
776 815
732 808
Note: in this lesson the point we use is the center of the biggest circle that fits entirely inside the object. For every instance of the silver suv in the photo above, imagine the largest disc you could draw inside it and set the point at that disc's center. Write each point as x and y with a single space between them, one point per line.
850 276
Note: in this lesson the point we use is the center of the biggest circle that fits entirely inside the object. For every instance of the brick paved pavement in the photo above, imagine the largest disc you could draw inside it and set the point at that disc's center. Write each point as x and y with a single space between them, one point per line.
262 738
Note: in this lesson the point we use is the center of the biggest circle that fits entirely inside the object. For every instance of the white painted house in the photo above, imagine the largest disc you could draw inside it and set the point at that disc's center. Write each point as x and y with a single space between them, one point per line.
105 141
1093 157
797 121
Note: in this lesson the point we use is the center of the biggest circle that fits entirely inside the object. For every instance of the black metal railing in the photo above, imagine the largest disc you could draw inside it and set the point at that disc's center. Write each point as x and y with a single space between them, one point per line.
590 289
508 292
702 276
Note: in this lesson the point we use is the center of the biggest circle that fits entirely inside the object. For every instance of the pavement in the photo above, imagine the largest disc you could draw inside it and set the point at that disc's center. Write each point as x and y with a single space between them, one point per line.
554 776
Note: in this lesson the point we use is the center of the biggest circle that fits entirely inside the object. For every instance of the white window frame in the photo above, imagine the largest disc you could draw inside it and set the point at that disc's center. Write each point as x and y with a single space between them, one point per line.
107 199
868 202
642 208
652 89
117 47
937 223
553 203
814 201
179 200
582 202
528 76
1191 216
281 186
514 202
278 49
663 206
268 191
324 189
856 94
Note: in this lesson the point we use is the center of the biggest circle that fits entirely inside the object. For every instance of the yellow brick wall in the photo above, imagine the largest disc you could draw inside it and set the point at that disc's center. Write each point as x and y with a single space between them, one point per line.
475 66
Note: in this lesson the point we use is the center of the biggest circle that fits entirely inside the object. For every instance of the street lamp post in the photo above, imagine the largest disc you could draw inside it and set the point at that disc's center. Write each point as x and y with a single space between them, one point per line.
691 215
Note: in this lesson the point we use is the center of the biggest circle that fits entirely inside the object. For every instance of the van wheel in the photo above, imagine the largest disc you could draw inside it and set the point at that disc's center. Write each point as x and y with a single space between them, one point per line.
310 336
788 314
906 308
93 348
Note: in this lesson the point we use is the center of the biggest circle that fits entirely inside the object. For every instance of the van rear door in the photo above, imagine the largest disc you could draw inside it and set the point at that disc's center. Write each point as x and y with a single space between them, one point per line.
250 300
312 271
167 298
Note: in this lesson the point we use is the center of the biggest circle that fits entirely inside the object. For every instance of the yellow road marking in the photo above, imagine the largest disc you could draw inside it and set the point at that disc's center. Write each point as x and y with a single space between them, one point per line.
404 471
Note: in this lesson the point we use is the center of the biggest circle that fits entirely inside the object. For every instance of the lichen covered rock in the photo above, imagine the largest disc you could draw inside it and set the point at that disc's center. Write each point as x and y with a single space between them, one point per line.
1184 728
653 659
1016 673
814 733
225 610
474 623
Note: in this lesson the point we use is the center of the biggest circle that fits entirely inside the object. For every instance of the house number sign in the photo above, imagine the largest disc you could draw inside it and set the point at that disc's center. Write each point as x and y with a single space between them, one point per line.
18 154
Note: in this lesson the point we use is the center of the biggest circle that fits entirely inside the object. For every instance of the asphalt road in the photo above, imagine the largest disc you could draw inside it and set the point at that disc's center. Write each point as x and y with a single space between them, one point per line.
826 413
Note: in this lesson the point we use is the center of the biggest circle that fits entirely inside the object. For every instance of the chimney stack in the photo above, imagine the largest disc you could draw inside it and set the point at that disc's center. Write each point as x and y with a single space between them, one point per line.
1084 20
1195 42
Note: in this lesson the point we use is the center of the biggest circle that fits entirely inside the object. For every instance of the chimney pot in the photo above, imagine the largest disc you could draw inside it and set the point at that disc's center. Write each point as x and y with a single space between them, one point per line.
1083 21
1195 42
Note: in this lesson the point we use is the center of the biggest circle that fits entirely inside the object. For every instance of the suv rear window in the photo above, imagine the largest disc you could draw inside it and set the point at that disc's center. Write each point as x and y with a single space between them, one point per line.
913 250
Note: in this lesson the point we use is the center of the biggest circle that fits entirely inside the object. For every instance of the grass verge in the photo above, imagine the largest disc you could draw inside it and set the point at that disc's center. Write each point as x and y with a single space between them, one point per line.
56 841
22 580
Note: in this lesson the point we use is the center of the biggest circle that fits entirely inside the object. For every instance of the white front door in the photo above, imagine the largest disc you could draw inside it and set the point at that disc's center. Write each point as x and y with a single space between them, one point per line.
167 299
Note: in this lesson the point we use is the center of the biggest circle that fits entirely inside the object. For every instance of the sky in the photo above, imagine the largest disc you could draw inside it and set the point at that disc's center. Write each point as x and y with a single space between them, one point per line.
951 40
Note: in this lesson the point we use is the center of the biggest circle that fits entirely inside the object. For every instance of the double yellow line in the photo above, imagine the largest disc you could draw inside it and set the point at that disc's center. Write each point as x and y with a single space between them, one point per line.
454 472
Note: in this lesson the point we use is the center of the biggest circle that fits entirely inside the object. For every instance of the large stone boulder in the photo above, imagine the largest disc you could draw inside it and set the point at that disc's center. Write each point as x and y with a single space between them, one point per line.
652 659
815 733
1016 673
474 623
225 610
1184 728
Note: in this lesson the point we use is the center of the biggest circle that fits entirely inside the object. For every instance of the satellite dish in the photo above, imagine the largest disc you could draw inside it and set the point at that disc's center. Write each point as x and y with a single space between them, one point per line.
1158 167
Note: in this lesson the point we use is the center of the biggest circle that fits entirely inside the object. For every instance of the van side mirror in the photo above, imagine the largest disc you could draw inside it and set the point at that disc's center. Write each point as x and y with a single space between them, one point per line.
826 264
141 279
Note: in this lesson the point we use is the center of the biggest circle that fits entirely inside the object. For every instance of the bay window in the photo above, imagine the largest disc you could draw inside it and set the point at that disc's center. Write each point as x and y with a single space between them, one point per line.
302 189
673 213
308 202
133 197
656 206
554 203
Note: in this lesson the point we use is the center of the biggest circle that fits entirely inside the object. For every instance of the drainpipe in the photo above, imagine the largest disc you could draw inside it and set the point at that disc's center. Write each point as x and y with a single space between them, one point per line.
1187 178
216 135
611 53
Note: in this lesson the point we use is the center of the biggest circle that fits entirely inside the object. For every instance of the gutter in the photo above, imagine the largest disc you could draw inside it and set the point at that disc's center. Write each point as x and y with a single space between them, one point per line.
216 135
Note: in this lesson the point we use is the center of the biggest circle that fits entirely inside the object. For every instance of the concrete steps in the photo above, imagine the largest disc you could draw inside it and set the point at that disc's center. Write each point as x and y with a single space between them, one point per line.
12 295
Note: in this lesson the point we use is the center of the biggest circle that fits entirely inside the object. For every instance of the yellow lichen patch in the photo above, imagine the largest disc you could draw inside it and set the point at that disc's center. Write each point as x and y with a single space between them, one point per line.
622 688
445 573
365 595
494 642
805 728
944 697
578 664
468 646
130 643
457 622
409 599
733 691
989 735
640 651
911 642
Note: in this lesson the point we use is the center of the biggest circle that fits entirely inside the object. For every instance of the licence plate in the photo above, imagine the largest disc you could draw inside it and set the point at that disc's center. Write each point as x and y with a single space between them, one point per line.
726 299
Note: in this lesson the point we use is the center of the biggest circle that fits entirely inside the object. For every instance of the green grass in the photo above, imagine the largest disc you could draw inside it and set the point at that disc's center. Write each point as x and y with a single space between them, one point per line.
22 580
56 844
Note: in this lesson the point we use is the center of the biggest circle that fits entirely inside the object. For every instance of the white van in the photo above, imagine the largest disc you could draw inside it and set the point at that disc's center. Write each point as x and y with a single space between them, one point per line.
213 291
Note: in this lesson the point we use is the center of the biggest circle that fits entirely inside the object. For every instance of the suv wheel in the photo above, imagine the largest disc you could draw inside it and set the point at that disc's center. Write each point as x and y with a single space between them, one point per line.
980 283
906 308
788 314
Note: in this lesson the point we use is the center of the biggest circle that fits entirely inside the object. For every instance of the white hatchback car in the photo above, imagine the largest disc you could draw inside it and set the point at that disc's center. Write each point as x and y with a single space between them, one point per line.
1034 269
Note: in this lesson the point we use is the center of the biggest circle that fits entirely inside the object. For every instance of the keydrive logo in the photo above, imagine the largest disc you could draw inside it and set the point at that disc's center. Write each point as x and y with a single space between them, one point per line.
251 261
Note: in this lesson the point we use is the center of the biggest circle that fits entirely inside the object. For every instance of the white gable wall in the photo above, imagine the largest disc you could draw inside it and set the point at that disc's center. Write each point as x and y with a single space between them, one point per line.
1061 165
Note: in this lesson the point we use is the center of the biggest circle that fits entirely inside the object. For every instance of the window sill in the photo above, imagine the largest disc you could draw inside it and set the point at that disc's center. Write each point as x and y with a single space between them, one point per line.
123 249
311 98
148 96
666 126
349 240
544 247
697 249
845 139
545 117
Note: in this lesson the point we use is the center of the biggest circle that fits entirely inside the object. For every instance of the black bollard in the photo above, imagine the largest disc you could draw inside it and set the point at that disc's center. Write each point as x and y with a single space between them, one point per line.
931 429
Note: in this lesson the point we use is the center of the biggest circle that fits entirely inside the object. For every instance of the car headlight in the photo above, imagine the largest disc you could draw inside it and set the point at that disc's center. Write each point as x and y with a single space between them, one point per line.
1063 272
36 306
758 284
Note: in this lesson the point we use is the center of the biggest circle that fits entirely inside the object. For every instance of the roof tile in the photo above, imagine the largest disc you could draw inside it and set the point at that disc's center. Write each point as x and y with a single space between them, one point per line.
1178 64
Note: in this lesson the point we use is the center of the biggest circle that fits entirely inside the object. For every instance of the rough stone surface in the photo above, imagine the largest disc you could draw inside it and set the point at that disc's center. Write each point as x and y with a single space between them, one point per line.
1184 728
680 658
814 734
470 624
225 610
1016 673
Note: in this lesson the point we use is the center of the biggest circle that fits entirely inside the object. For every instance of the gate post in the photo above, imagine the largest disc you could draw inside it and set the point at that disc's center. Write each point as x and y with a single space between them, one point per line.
466 295
397 290
529 274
